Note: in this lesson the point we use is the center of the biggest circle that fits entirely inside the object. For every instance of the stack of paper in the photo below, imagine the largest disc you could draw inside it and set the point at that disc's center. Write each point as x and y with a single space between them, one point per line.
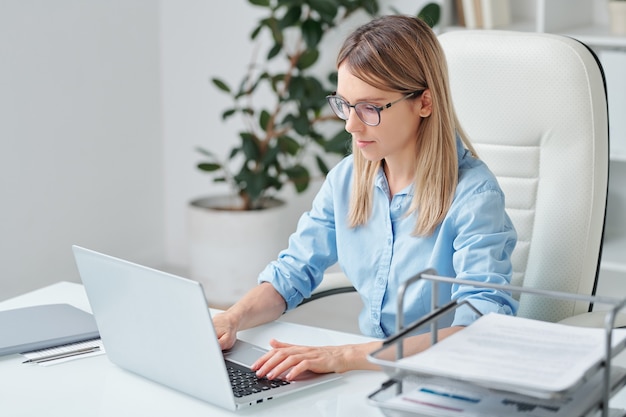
504 352
504 365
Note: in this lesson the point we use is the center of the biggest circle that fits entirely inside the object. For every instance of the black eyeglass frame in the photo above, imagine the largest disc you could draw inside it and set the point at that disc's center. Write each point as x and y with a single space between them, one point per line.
334 96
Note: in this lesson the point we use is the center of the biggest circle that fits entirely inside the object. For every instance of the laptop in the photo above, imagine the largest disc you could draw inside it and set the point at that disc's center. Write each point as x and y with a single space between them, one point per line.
158 325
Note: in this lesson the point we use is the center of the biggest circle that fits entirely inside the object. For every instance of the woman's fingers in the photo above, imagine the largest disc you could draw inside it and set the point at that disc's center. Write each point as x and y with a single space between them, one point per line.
293 360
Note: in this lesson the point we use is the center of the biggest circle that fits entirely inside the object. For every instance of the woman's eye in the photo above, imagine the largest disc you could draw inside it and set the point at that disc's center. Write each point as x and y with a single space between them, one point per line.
369 108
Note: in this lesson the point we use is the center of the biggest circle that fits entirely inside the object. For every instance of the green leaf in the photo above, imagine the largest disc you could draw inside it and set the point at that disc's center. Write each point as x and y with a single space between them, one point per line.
301 124
243 85
332 78
251 182
288 145
297 88
276 79
321 165
271 156
263 3
228 113
370 6
221 85
291 17
273 24
234 152
312 33
264 119
255 32
300 177
308 58
247 87
314 93
327 9
249 146
430 14
274 51
205 152
209 167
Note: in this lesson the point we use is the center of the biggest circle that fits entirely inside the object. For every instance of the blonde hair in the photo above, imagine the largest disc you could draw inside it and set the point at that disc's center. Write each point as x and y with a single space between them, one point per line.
401 53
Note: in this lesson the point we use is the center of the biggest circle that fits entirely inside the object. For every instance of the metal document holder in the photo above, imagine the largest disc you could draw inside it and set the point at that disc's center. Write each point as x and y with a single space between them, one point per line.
403 379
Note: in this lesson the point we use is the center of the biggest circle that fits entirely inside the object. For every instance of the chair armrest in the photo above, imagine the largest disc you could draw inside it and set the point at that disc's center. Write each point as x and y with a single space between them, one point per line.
333 283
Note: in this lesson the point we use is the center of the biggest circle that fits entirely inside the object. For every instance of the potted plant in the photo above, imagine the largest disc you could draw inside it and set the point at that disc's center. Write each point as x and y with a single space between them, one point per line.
284 139
283 142
278 133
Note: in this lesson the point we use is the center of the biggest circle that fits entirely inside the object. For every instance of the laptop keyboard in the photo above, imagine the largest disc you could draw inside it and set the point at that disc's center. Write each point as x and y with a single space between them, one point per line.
245 382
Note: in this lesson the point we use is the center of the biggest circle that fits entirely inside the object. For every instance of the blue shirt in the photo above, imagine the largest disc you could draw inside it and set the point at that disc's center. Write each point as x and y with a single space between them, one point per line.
474 242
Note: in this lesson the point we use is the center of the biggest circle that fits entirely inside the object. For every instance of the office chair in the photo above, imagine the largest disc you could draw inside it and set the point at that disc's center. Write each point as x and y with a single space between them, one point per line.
534 106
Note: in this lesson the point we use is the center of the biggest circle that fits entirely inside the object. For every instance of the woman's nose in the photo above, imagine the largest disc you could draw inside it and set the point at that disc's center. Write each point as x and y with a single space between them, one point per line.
353 124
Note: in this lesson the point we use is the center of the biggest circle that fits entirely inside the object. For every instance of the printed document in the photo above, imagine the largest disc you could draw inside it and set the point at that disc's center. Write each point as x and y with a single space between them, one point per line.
531 357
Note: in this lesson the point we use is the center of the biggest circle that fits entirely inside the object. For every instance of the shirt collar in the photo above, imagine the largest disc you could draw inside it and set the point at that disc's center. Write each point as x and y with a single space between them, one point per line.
381 182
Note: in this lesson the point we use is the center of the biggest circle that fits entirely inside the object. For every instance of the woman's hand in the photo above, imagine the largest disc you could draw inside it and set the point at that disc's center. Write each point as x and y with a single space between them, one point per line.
289 361
260 305
226 330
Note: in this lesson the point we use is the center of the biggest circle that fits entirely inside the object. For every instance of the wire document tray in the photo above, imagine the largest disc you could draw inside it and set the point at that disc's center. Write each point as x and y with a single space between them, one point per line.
576 381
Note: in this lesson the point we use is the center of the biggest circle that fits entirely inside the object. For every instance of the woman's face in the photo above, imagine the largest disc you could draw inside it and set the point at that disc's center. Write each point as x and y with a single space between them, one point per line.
395 138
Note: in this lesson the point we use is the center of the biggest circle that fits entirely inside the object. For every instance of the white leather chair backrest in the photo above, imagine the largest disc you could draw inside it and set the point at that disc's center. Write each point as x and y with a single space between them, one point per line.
534 105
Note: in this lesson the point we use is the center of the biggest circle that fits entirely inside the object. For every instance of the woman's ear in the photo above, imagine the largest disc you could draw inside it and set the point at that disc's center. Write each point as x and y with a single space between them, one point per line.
427 104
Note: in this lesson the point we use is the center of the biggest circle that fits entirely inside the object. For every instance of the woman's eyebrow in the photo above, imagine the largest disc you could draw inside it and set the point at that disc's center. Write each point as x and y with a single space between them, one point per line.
366 99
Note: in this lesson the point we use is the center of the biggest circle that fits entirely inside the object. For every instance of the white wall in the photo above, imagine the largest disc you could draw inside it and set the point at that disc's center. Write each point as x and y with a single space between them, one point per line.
81 158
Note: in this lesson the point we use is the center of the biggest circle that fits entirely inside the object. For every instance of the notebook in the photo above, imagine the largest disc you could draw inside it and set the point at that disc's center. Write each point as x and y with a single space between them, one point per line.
39 327
158 325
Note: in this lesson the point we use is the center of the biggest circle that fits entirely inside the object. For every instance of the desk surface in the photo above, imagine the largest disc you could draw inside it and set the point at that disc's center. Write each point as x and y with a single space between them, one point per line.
95 387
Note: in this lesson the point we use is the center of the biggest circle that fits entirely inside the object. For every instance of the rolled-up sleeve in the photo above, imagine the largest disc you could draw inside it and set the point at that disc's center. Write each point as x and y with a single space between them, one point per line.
312 249
484 242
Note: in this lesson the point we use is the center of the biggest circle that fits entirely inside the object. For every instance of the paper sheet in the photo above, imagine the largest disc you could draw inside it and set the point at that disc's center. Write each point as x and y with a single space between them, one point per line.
533 357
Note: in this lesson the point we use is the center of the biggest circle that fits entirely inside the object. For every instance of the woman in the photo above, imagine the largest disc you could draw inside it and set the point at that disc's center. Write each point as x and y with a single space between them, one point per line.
410 197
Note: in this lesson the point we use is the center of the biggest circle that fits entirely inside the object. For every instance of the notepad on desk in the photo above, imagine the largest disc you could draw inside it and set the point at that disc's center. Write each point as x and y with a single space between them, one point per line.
38 327
531 357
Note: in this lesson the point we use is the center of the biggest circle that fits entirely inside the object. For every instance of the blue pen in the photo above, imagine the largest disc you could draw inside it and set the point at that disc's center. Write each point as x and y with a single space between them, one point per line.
449 395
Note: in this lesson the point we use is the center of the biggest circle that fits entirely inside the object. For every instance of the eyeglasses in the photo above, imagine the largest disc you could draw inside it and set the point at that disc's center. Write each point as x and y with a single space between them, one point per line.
367 112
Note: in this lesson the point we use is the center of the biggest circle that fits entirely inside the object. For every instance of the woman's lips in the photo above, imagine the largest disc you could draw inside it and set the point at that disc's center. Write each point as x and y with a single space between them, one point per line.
362 143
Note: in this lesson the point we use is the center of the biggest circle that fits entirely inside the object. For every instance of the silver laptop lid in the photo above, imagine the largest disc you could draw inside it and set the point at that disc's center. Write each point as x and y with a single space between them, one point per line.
147 317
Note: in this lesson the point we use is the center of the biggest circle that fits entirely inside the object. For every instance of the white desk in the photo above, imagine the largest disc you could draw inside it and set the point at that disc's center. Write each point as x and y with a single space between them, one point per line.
95 387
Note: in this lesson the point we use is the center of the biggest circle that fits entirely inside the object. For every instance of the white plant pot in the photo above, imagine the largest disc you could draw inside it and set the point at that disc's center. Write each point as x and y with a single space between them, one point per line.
229 248
617 16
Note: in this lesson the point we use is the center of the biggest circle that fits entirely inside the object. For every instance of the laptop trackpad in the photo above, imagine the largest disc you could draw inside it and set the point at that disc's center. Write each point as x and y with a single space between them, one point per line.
244 353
